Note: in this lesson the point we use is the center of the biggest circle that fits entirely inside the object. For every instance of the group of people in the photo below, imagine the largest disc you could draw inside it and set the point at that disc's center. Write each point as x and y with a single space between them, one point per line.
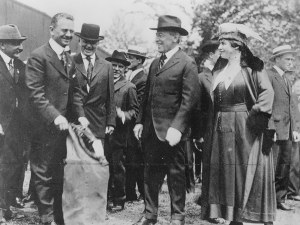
236 112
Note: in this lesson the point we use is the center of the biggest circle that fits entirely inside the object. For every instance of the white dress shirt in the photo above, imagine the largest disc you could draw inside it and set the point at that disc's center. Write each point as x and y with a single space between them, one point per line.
86 62
57 48
6 59
170 53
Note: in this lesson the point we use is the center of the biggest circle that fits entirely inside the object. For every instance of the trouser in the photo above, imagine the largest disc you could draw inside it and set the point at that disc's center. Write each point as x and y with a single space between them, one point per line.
161 159
47 169
198 160
134 171
282 153
116 176
294 177
11 162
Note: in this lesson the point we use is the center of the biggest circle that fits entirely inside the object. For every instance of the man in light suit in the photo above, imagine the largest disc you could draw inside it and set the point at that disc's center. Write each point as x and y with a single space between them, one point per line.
134 155
50 77
164 120
284 118
13 99
94 98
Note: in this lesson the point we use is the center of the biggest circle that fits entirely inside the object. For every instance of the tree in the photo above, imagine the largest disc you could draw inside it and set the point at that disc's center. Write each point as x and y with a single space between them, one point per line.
272 19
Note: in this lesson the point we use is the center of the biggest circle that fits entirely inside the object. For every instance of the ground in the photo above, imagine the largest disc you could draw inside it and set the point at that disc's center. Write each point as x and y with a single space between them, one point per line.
133 211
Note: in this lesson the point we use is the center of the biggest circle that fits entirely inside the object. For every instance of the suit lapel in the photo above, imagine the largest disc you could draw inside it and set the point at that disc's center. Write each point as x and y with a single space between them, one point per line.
80 65
280 80
56 63
137 77
120 83
5 72
171 62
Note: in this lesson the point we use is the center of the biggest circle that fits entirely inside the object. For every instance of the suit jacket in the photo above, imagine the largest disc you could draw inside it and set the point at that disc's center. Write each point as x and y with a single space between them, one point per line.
284 106
50 88
139 81
200 115
13 95
97 105
170 95
126 99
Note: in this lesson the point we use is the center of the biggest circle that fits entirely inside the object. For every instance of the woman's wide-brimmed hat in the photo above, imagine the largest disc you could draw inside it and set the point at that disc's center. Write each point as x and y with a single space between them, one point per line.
90 32
281 50
238 32
11 32
137 51
168 22
118 57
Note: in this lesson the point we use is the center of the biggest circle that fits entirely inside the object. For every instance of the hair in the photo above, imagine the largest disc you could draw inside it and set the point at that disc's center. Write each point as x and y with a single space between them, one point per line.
247 57
59 16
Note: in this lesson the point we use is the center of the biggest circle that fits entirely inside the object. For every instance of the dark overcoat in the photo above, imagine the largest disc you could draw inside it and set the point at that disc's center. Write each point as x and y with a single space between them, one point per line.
97 104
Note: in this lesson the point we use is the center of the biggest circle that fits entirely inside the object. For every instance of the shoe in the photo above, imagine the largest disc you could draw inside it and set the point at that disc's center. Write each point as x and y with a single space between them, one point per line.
268 223
144 221
284 206
140 198
50 223
177 222
17 203
117 207
217 220
28 198
8 214
131 198
294 197
235 223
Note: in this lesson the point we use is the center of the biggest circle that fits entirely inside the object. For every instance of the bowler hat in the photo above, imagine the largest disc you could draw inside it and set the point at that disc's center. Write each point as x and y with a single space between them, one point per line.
137 51
167 22
10 32
210 46
281 50
90 32
118 57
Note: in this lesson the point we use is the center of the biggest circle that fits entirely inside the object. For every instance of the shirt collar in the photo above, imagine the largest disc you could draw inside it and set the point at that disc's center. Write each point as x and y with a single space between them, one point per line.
58 49
84 56
280 71
6 58
85 61
170 53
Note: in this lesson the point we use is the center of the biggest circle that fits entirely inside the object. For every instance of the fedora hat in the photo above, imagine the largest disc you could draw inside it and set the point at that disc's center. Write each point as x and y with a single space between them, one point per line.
10 32
167 22
90 32
118 57
281 50
137 51
210 45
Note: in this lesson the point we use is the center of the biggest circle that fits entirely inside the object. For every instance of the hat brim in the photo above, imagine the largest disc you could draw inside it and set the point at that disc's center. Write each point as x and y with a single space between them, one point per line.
181 31
124 62
89 39
136 54
282 53
22 38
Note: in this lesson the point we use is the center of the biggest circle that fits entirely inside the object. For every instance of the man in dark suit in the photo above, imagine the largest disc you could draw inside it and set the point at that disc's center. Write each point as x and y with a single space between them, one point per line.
164 120
12 123
134 156
94 98
127 107
50 78
283 117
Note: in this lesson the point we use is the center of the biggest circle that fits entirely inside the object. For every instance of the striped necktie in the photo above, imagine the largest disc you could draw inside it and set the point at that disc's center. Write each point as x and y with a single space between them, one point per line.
162 59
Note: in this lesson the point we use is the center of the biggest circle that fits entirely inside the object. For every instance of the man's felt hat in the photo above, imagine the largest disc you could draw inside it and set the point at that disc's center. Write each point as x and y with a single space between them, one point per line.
137 51
118 57
281 50
172 23
90 32
11 32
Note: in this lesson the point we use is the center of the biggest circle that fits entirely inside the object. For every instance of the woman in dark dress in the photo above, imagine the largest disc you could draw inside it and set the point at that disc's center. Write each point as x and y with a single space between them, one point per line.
240 181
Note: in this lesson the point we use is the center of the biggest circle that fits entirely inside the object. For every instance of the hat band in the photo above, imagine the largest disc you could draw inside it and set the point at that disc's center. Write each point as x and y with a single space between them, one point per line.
283 51
234 36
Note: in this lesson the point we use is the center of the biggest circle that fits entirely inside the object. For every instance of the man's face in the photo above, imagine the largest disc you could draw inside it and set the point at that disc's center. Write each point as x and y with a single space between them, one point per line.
118 69
12 48
165 41
285 62
88 48
134 61
62 33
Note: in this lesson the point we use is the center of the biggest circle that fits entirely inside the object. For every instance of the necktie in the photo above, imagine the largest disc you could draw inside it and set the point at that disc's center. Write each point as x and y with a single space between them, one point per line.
162 60
285 79
11 68
64 60
89 70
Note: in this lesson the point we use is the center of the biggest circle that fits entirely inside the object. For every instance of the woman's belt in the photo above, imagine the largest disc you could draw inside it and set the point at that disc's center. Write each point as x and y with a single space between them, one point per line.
232 108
